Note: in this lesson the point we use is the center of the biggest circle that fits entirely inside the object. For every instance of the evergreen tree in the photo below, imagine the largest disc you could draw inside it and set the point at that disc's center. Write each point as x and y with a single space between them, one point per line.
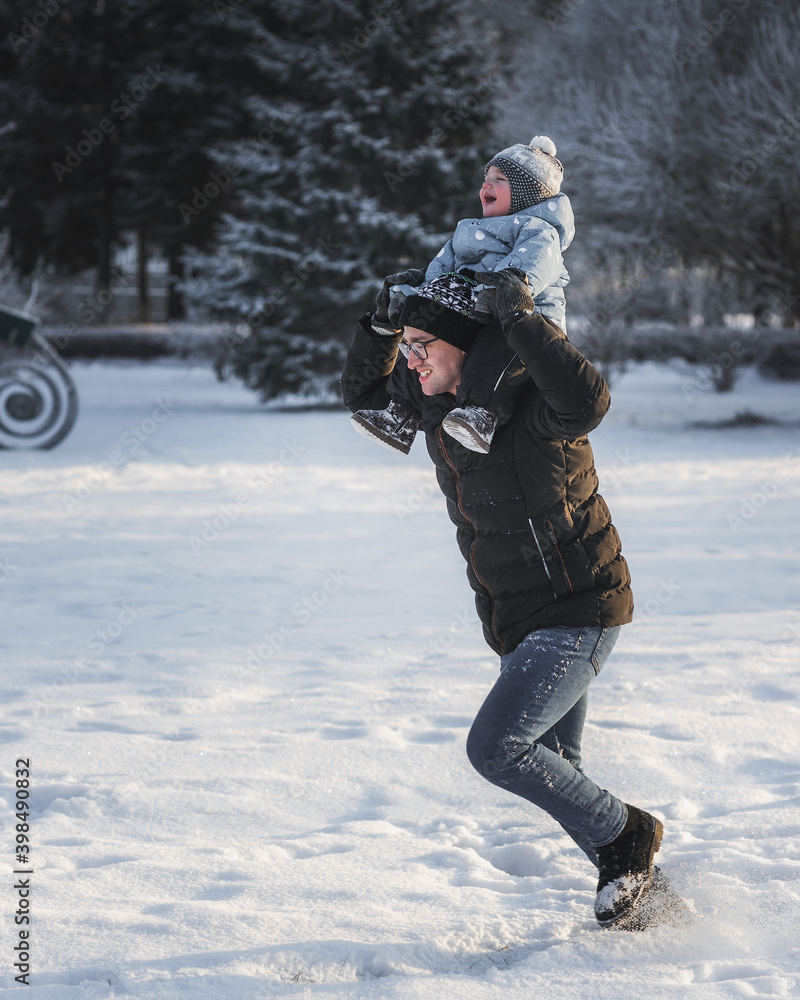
365 157
111 107
175 189
59 168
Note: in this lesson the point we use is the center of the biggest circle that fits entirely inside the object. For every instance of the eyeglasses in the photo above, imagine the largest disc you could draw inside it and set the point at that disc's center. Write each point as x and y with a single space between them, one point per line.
419 347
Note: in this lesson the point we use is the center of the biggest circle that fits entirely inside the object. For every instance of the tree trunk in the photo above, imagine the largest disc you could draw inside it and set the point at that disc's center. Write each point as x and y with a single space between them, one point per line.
176 306
105 221
791 254
105 225
144 289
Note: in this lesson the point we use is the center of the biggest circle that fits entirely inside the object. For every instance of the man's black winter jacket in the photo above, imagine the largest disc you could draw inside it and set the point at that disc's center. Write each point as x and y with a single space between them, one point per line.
537 537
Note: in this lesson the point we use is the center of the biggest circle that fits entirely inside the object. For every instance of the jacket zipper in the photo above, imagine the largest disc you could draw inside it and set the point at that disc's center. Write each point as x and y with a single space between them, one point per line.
552 560
502 373
474 537
561 565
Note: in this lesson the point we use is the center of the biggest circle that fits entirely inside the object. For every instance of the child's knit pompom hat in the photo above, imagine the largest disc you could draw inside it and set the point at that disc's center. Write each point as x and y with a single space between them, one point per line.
533 171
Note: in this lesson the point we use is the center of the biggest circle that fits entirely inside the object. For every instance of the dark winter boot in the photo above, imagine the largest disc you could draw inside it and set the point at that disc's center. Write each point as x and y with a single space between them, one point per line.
394 428
626 868
471 426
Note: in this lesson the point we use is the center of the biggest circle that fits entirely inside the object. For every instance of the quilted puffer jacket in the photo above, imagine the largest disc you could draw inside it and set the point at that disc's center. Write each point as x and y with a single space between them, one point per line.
537 537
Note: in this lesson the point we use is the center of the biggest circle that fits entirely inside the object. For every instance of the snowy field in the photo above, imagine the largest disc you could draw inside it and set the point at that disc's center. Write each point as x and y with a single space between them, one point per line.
241 654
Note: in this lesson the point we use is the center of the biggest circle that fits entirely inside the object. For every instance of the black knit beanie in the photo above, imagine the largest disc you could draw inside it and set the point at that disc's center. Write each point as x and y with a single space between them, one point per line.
534 174
443 308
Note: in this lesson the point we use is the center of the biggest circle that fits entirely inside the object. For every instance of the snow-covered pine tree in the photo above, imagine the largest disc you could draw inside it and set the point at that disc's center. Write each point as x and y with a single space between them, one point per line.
371 144
59 169
107 111
174 190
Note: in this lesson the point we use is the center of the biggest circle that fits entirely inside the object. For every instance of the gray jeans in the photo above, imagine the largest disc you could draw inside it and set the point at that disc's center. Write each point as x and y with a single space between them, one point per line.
527 735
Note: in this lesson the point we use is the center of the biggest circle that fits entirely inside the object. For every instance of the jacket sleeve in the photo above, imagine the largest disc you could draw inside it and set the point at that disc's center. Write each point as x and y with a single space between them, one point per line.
442 263
368 365
537 252
572 396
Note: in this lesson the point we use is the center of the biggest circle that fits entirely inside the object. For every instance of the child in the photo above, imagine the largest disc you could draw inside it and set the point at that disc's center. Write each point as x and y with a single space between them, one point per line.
526 225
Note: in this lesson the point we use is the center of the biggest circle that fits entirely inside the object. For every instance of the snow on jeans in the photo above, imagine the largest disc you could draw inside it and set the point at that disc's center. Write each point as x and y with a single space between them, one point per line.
527 735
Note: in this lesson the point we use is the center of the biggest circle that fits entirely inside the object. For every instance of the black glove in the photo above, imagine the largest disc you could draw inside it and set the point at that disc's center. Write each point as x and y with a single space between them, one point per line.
386 314
507 299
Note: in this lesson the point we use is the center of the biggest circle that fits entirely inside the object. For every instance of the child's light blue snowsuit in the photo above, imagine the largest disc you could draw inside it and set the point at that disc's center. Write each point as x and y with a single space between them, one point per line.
532 240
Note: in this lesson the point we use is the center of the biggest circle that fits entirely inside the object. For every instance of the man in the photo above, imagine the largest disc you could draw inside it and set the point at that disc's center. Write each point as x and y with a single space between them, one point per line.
551 586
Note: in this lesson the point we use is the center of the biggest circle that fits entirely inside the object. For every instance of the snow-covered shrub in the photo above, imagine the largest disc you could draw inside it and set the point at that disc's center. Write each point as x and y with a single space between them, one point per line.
370 153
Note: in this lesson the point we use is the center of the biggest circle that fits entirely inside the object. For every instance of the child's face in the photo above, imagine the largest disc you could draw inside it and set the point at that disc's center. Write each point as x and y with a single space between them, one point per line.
495 194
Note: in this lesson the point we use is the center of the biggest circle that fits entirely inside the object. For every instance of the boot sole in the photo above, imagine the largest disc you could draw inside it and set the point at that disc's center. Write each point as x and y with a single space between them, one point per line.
465 435
628 916
367 431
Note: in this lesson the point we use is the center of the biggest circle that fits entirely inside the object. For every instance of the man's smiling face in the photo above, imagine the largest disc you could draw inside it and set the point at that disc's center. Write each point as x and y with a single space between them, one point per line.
441 370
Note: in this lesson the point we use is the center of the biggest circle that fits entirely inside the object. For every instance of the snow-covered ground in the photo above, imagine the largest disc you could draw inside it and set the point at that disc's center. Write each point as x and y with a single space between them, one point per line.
240 652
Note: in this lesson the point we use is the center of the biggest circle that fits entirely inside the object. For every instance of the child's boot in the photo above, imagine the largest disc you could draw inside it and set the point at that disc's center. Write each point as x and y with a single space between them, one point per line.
394 428
471 426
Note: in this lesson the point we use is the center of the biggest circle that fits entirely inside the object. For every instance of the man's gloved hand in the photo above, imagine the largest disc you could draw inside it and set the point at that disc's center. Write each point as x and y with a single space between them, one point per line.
387 312
508 298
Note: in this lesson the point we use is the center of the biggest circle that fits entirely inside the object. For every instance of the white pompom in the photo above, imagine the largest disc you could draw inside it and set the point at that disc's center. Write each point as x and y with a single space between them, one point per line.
545 143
